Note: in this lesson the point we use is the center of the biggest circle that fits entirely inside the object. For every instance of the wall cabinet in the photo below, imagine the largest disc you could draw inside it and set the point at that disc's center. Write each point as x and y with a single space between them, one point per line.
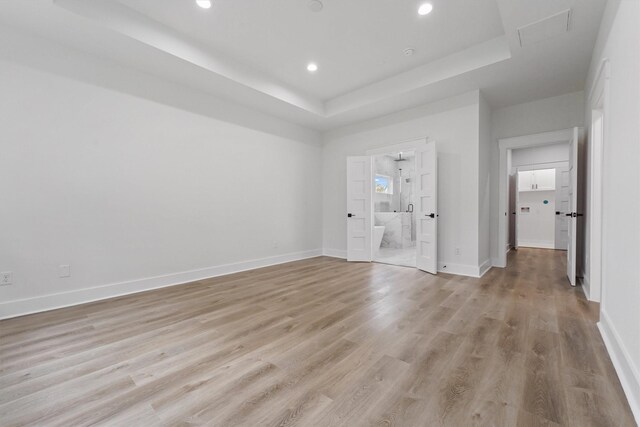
537 180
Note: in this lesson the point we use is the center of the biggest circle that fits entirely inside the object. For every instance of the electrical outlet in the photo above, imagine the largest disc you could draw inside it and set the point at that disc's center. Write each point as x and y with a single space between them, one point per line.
6 278
65 270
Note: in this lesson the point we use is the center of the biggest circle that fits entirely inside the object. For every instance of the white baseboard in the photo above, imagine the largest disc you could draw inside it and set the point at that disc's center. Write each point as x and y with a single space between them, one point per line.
335 253
484 267
586 288
495 262
444 267
38 304
622 362
536 244
461 269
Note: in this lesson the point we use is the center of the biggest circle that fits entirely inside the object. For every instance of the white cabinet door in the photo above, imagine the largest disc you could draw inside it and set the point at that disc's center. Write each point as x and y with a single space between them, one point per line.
359 189
544 180
427 215
525 181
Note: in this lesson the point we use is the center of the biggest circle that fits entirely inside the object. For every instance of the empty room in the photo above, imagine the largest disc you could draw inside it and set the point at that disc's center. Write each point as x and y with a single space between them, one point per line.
320 213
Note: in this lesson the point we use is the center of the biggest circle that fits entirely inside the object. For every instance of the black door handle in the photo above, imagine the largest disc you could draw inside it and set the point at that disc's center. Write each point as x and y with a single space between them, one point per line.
350 215
431 215
557 212
568 214
513 213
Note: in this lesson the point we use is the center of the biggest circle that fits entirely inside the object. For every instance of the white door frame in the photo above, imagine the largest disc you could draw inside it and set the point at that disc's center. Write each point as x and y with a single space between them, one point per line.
537 166
505 146
598 104
409 145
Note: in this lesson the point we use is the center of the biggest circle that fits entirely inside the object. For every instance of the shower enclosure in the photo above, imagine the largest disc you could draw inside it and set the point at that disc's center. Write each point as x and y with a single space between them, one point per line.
393 208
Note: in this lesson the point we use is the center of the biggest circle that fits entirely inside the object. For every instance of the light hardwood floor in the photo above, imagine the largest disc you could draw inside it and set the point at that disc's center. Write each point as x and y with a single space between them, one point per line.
321 342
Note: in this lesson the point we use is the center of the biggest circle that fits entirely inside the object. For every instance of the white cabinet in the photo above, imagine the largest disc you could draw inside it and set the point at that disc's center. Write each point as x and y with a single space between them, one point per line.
538 180
545 179
525 181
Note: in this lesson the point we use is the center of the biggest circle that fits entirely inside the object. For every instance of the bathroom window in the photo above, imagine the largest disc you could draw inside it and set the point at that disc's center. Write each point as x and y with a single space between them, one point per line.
384 184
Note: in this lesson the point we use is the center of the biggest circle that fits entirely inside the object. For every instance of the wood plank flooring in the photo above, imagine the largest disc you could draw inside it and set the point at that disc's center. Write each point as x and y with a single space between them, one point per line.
321 342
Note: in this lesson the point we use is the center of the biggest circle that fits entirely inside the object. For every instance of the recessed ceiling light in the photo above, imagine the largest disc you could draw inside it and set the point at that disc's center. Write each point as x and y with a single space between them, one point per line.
312 67
425 9
205 4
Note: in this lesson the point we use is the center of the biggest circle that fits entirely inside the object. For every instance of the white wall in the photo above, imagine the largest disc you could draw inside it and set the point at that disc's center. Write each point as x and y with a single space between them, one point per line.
454 124
540 155
537 228
134 194
619 41
549 114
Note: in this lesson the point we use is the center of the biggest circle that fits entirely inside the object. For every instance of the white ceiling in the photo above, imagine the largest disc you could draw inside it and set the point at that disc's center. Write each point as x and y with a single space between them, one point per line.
255 51
355 42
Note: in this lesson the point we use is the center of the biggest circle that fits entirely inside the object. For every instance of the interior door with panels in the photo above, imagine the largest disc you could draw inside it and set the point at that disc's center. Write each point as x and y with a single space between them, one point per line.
427 212
359 209
562 208
572 214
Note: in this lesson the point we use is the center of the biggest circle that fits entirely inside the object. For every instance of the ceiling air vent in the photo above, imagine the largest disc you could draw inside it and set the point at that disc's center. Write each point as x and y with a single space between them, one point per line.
545 28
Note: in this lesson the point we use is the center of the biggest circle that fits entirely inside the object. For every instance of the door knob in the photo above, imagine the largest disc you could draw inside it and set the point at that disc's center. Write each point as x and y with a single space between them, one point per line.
431 215
350 215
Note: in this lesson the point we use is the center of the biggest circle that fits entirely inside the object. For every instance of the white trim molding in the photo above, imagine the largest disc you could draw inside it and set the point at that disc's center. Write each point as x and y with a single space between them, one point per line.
484 267
598 107
536 244
476 271
42 303
505 145
622 362
335 253
443 267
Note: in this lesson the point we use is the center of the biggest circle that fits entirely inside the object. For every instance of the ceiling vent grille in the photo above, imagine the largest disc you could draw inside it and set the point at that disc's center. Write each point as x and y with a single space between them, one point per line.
546 28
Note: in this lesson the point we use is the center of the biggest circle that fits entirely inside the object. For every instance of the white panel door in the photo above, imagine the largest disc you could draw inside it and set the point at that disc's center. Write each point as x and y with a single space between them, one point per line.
572 214
562 208
427 212
359 210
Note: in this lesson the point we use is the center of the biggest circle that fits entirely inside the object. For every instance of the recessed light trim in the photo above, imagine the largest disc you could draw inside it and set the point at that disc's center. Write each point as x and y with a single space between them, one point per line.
312 67
205 4
425 9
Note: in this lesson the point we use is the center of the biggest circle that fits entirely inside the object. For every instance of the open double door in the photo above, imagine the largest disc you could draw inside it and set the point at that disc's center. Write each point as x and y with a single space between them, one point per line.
360 207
